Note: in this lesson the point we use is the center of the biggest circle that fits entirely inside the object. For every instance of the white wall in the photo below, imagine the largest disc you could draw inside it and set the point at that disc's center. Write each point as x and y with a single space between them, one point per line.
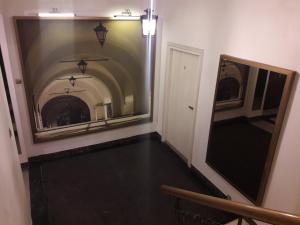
13 207
265 31
81 8
10 79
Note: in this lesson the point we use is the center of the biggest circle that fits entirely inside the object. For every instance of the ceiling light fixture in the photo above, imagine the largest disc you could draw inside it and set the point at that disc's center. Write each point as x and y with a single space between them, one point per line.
55 13
149 23
126 15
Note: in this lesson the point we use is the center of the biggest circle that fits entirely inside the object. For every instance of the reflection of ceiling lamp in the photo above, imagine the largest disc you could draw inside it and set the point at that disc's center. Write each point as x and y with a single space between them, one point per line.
66 91
73 79
149 23
101 32
82 63
55 13
82 66
126 15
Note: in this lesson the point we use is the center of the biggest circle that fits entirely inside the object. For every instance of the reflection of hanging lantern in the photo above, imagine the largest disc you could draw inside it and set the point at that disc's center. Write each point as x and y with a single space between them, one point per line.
82 66
101 32
149 23
72 81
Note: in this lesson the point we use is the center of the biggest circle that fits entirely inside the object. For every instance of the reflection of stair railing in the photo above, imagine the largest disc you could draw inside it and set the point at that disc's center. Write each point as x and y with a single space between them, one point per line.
241 209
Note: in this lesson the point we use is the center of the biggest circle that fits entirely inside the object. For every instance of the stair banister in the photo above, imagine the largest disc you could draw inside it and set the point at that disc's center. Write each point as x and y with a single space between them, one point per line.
249 211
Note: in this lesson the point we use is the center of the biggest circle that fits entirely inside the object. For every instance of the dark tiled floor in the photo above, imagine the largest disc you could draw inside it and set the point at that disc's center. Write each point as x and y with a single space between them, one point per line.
113 187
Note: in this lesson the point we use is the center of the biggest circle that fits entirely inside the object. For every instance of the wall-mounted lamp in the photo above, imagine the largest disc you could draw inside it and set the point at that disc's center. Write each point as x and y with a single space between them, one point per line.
149 23
55 13
101 32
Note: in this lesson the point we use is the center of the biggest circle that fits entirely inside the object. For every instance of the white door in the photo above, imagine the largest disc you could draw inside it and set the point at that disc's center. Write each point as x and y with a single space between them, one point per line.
13 205
182 88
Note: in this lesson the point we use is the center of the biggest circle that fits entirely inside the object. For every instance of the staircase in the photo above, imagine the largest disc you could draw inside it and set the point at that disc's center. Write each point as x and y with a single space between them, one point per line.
245 214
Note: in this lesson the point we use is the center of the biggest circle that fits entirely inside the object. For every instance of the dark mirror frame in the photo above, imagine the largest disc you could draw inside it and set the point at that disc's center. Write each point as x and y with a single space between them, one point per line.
290 75
26 80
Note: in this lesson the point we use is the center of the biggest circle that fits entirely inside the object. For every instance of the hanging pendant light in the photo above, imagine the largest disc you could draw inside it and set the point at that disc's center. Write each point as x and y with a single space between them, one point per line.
82 65
72 80
101 32
149 23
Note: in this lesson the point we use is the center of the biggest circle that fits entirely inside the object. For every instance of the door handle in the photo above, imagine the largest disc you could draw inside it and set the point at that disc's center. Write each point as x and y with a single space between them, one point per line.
191 107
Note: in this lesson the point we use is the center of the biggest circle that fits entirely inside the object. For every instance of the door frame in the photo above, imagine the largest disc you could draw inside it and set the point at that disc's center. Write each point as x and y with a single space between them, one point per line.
12 84
190 50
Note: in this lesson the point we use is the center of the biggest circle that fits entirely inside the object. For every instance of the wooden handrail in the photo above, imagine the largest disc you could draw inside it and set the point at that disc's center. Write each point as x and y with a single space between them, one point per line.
254 212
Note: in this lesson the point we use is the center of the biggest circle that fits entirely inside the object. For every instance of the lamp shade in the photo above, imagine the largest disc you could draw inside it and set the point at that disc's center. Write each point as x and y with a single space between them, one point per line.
101 32
82 65
72 81
149 23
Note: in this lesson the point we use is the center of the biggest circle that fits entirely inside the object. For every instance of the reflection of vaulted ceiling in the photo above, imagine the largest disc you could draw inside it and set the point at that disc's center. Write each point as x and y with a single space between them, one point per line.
45 43
92 91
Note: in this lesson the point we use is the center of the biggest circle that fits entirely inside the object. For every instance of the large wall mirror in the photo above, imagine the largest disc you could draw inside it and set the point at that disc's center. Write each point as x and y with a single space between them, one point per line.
85 75
249 107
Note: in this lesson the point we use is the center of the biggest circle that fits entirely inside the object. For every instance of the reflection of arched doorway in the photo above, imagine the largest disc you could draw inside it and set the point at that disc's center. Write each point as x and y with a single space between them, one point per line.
229 88
65 110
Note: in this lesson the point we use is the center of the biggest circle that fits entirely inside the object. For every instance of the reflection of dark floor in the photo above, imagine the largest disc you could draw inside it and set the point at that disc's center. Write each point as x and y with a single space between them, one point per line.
113 186
242 165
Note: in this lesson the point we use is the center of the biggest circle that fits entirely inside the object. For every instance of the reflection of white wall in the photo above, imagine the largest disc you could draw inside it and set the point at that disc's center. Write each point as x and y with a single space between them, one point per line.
249 97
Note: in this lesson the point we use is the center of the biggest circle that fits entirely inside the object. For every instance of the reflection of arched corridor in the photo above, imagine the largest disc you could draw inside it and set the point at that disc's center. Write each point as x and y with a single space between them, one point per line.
122 74
92 91
115 84
65 110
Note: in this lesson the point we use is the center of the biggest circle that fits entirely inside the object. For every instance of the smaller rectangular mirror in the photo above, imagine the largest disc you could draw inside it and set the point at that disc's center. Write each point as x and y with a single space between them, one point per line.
249 107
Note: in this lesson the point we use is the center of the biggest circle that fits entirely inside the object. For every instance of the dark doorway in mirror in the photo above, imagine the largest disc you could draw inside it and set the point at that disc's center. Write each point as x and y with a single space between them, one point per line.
65 110
274 91
228 89
232 84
